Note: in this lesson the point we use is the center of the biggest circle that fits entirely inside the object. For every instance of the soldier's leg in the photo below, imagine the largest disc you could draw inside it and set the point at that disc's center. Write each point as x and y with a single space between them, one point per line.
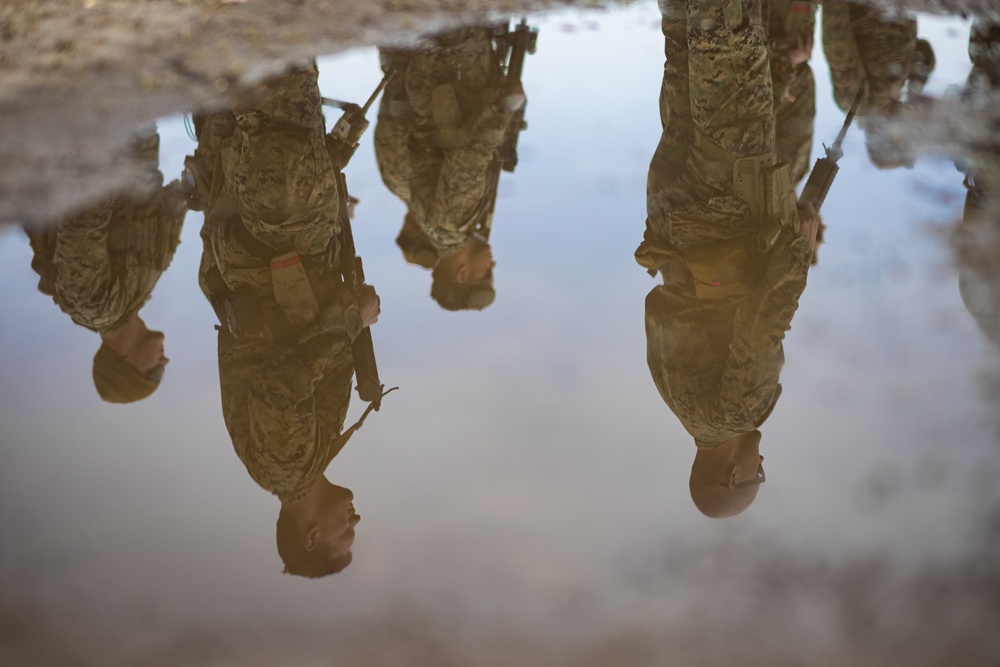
730 78
671 154
675 102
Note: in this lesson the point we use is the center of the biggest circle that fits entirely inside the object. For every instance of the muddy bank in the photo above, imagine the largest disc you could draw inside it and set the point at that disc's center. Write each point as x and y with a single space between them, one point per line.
78 78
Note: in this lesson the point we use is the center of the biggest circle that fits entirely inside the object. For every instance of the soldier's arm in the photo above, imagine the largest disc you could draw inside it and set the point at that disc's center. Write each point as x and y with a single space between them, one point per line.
83 260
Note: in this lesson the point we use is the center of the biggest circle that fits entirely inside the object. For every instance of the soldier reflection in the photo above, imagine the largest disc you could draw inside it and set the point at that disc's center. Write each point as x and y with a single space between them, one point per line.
271 267
733 252
978 237
865 46
100 266
441 127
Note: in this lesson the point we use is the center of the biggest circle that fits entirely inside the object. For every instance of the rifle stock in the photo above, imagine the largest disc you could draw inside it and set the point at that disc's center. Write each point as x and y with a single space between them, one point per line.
825 170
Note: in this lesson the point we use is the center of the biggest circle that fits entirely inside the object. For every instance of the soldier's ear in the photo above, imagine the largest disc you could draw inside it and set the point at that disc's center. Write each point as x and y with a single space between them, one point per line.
311 538
731 475
461 273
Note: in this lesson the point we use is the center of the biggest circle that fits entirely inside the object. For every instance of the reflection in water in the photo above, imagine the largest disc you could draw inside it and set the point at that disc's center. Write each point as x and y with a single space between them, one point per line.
526 510
978 237
273 268
724 231
100 266
864 46
447 125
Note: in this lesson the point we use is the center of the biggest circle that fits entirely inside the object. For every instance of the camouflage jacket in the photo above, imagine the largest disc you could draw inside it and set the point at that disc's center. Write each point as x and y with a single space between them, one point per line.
716 363
285 392
439 157
100 265
864 46
715 360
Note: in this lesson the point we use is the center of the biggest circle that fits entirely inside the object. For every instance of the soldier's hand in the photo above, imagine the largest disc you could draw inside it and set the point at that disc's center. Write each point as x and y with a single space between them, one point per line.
803 49
514 98
809 224
370 305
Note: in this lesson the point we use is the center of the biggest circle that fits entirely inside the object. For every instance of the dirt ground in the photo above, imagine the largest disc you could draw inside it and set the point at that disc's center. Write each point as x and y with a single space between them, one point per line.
78 77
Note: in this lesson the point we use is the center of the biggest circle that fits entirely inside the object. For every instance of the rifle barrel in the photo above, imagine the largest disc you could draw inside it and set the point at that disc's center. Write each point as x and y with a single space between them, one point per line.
330 102
391 72
340 104
858 98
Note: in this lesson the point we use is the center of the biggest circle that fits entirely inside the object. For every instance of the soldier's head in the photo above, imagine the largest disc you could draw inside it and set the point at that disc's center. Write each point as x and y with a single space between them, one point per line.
130 363
726 477
463 279
318 543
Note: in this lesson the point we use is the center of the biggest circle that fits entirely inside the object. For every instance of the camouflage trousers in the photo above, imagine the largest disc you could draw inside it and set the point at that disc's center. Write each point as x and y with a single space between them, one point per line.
716 105
716 81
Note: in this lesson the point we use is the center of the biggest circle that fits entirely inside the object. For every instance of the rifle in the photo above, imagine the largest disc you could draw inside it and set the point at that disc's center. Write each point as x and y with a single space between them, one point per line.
343 138
511 49
825 170
341 144
353 271
523 40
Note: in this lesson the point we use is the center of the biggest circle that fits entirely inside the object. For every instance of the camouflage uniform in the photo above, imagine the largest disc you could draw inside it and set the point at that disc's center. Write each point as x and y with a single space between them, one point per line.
863 45
714 328
437 156
285 381
100 265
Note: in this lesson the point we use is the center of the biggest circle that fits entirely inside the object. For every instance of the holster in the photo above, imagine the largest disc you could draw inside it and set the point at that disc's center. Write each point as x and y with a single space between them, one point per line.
241 316
766 187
